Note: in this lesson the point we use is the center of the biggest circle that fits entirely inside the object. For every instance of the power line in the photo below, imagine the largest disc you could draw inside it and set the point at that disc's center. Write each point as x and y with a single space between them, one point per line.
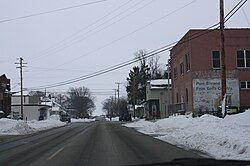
89 34
82 29
128 34
131 33
235 9
120 65
51 11
150 54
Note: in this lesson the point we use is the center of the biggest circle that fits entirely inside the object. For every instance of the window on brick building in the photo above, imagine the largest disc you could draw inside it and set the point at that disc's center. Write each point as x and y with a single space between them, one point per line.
216 59
186 95
175 73
245 85
187 62
177 98
243 58
182 68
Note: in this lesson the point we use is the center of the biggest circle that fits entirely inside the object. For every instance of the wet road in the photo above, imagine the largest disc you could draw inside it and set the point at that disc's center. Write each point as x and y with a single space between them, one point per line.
95 143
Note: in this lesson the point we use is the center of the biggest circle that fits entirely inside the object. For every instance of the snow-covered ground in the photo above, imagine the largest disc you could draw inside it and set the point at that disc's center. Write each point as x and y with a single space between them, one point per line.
20 127
115 119
227 138
82 120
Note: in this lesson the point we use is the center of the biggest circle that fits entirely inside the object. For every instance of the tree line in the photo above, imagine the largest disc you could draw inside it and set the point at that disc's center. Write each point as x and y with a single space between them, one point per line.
139 75
78 98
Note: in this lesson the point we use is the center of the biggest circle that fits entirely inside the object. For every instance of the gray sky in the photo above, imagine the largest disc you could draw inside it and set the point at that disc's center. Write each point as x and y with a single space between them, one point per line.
52 56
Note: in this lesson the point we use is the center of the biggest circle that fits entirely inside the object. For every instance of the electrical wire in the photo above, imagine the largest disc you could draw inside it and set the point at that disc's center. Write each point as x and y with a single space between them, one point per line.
239 6
57 44
92 32
126 35
150 54
51 11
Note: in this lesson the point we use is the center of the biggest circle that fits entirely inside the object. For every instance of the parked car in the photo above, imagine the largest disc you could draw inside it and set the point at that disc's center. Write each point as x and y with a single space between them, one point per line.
65 117
125 117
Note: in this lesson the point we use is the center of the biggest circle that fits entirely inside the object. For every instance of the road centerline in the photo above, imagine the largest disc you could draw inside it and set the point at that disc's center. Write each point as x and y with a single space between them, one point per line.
54 154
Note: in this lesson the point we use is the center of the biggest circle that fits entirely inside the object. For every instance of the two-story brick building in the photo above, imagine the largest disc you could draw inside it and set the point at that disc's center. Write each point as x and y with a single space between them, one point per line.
195 65
5 96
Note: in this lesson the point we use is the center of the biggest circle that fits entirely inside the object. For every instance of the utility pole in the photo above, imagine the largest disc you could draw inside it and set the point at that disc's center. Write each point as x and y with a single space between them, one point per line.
115 100
118 95
134 94
21 65
168 70
222 45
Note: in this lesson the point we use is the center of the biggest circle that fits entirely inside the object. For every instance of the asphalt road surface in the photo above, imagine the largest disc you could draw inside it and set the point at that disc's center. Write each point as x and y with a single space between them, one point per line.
95 143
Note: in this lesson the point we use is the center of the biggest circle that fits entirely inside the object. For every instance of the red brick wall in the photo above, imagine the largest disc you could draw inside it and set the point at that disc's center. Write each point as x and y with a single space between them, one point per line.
200 51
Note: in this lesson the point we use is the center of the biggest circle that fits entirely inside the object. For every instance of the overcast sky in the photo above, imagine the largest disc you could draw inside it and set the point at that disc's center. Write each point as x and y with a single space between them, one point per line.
71 43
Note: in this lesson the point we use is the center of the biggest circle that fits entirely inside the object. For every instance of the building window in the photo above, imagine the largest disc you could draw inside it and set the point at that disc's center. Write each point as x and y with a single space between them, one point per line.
175 72
187 62
245 85
216 59
177 98
243 58
186 95
182 68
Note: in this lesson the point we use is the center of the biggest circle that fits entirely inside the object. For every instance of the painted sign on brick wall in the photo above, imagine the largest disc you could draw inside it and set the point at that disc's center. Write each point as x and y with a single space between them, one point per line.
206 93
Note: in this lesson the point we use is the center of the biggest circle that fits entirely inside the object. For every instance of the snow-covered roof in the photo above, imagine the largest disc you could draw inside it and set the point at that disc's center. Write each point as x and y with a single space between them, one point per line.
138 106
159 82
19 94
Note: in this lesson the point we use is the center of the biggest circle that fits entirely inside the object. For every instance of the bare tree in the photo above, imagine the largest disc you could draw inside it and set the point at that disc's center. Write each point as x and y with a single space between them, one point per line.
156 70
82 100
110 106
141 55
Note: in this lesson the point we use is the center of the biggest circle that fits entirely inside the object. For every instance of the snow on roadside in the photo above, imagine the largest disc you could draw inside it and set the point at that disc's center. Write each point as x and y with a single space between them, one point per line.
227 138
82 120
114 119
51 122
20 127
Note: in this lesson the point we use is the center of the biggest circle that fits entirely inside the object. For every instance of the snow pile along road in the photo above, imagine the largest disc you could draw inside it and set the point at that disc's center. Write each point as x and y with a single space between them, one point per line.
20 127
82 120
51 122
227 138
114 119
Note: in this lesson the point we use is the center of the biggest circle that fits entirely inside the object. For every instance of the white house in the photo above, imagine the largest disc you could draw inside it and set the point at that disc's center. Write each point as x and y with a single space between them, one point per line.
55 108
32 107
158 97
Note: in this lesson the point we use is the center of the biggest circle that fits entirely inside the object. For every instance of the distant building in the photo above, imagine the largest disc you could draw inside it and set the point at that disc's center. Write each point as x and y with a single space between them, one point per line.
55 108
32 107
158 97
196 70
5 96
140 111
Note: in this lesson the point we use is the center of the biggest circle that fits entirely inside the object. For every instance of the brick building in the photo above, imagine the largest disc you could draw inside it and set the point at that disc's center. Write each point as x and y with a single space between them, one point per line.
5 96
195 65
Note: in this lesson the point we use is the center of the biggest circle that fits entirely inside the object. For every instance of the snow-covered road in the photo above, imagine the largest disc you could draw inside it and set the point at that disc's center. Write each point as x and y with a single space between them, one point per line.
227 138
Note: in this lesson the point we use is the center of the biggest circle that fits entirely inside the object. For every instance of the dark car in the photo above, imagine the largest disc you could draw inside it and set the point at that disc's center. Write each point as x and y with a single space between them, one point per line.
65 117
125 117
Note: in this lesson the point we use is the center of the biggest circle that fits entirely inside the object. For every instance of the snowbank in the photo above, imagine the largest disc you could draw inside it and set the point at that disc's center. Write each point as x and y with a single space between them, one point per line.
227 138
20 127
115 119
82 120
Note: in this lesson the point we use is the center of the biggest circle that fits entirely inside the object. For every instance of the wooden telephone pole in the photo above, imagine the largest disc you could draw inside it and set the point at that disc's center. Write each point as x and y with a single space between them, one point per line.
222 45
118 96
21 65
